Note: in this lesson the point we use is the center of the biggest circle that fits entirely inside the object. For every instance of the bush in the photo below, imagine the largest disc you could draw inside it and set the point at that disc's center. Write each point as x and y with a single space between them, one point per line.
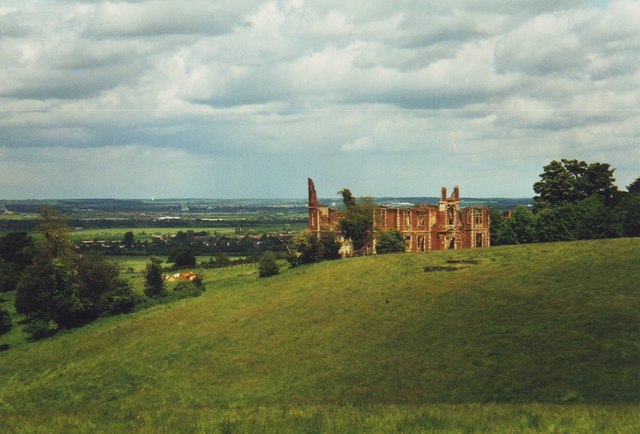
330 245
5 321
39 329
182 257
9 276
305 249
187 289
153 283
267 265
390 241
119 300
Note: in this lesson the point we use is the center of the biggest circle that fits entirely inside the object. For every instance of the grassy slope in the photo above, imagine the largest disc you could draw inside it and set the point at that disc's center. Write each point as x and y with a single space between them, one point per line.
550 323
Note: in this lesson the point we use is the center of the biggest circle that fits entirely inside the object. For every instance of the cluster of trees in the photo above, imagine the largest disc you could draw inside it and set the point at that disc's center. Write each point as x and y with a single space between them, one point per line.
575 200
306 248
56 284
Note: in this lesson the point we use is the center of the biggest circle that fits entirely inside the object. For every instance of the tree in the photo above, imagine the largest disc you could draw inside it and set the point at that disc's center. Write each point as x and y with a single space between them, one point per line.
330 245
390 241
356 223
55 232
222 260
505 234
128 239
267 265
15 256
182 257
153 282
5 321
628 213
497 219
15 249
594 219
522 225
569 181
304 248
37 286
556 224
101 288
9 276
634 187
65 287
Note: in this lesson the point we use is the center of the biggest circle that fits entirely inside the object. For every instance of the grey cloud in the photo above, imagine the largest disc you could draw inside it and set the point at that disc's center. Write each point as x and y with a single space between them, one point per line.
10 27
292 83
165 18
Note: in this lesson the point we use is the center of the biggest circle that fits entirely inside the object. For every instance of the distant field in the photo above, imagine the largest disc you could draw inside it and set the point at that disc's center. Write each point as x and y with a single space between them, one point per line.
518 339
138 263
146 233
140 234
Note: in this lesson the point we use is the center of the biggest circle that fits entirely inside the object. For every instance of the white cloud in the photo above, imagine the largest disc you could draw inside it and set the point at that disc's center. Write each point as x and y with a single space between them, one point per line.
359 145
267 86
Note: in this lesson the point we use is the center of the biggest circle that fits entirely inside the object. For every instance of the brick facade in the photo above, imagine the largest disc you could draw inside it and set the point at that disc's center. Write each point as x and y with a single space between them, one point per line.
425 227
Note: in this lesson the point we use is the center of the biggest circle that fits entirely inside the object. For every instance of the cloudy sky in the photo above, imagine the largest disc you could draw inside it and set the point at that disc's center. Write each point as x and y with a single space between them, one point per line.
244 99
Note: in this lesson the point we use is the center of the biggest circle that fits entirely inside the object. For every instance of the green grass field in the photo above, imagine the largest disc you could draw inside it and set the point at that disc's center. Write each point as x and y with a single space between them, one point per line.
535 338
140 234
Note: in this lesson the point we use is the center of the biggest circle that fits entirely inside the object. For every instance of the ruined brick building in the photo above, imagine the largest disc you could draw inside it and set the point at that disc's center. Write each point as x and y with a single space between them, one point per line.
425 227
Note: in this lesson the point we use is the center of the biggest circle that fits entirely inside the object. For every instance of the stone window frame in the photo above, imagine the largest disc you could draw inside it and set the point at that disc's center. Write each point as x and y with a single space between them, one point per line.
479 218
407 218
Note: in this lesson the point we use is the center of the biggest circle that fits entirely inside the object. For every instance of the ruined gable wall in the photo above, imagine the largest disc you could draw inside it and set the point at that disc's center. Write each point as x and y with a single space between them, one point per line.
425 227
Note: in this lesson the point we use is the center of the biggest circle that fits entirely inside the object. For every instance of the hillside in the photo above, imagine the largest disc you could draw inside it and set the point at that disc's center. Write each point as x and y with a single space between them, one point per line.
512 332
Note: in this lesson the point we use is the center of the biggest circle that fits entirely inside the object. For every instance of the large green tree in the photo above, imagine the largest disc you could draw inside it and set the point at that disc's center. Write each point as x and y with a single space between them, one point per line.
356 222
569 181
65 287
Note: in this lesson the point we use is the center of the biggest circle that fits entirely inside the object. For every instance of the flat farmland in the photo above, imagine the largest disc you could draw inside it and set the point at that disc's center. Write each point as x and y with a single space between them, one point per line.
141 234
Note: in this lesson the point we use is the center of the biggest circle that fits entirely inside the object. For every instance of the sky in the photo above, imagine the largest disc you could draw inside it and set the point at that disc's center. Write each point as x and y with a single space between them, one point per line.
246 99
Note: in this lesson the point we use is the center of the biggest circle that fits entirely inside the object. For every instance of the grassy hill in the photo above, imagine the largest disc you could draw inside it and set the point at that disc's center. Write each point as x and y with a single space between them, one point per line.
521 339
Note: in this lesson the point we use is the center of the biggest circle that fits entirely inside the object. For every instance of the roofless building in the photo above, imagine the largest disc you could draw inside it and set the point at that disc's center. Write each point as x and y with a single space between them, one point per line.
425 227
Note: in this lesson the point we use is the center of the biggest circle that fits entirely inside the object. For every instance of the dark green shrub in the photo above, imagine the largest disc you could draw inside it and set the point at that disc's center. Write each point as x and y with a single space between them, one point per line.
153 283
182 257
9 276
39 329
5 321
267 265
119 300
187 289
390 241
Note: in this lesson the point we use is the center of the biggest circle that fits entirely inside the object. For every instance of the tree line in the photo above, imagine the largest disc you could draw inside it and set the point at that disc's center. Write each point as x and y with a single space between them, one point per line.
575 200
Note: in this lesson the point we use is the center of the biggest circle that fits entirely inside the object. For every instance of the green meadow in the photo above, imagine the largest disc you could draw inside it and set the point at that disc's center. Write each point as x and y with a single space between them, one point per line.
533 338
